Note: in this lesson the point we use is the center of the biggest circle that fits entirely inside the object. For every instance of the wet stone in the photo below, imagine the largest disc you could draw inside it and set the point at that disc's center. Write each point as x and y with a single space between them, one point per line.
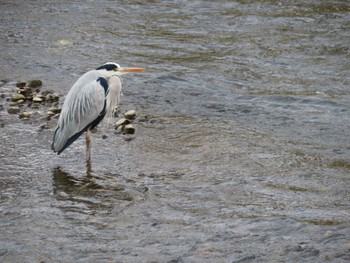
129 129
35 83
52 97
37 99
20 84
44 126
130 114
119 129
121 122
55 110
13 110
50 113
17 97
26 92
34 105
25 114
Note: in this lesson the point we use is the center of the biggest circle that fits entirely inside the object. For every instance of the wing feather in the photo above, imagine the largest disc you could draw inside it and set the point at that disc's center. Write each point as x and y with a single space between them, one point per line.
84 106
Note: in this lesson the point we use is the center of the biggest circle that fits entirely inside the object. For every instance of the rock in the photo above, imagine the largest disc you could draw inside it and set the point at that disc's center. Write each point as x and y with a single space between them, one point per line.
35 83
52 97
37 99
130 114
50 113
119 129
129 129
13 110
55 110
20 101
121 122
25 114
17 97
34 106
20 84
26 93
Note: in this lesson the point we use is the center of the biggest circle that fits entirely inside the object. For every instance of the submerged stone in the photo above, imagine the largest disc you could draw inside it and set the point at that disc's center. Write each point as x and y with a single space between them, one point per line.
20 84
13 110
35 83
52 97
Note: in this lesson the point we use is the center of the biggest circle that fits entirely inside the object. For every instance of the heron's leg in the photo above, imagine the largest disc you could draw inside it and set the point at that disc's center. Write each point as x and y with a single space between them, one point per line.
88 145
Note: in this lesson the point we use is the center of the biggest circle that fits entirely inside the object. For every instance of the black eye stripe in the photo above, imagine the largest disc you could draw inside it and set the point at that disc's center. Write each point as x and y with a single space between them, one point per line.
108 67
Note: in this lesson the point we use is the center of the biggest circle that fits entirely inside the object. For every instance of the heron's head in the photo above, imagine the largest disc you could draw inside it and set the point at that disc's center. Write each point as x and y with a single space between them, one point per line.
113 69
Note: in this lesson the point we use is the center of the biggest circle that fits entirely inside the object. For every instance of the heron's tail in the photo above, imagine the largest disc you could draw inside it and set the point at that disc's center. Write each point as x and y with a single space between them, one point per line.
60 143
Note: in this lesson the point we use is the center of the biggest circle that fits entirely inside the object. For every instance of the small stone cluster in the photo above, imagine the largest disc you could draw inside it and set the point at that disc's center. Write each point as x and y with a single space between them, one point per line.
28 95
124 125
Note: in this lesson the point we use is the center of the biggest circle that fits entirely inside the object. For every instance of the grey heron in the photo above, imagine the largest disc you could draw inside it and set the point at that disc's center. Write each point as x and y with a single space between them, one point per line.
95 95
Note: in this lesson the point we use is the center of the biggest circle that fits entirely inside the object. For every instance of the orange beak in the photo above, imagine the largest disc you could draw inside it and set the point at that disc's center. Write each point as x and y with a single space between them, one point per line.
128 70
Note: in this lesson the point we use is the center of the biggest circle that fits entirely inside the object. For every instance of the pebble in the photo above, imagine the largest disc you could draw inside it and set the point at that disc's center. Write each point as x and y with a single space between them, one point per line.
130 114
44 126
55 110
119 129
121 122
20 84
50 113
17 97
34 106
35 83
52 97
13 110
129 129
25 114
37 99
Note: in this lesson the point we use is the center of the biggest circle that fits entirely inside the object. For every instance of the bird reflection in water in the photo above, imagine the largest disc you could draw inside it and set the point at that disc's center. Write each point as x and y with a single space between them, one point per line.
95 193
67 185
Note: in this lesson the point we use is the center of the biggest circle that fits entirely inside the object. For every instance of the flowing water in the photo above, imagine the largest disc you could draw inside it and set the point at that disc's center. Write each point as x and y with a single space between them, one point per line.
242 143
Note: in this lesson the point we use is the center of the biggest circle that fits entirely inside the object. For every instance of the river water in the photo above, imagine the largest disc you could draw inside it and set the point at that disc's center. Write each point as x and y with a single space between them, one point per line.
241 151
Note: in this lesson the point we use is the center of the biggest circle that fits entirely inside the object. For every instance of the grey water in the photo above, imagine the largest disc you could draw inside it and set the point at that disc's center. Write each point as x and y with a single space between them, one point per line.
242 143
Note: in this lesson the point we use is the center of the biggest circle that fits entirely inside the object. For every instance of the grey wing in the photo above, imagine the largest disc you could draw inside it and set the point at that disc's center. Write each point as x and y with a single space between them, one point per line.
83 107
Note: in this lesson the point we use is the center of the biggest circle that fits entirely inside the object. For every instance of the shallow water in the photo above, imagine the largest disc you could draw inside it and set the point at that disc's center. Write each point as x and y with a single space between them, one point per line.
241 151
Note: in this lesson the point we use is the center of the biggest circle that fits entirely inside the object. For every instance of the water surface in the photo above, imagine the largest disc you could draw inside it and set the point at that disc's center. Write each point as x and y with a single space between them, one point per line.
241 151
